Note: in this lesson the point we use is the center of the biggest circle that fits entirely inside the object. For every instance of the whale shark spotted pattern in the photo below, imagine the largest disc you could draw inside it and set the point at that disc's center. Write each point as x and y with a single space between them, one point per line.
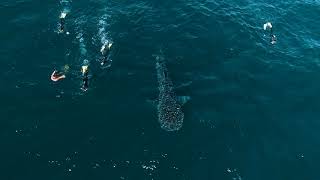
170 114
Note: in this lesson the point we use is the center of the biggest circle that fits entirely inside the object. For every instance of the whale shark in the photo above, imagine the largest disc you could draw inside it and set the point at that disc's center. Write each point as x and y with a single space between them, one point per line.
170 114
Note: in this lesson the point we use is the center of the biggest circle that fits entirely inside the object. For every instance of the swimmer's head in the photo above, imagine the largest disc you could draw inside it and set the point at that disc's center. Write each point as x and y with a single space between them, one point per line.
85 62
267 25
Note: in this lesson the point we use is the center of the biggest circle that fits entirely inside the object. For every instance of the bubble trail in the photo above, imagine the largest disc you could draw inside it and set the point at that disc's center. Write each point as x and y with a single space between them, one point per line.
82 45
105 40
66 6
102 33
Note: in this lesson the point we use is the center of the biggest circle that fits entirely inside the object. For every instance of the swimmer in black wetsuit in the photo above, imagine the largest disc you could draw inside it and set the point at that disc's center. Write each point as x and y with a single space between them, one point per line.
61 25
62 22
85 77
273 37
105 51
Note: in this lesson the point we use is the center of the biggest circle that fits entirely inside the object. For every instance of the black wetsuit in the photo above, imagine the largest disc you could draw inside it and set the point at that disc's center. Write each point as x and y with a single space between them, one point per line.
273 37
85 81
105 55
62 24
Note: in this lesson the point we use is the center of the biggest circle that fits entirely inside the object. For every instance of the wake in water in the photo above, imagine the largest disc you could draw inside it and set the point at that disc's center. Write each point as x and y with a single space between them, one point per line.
82 45
106 42
170 114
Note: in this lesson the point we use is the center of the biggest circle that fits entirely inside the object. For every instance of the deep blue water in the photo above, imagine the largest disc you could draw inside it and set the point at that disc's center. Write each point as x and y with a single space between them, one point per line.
254 109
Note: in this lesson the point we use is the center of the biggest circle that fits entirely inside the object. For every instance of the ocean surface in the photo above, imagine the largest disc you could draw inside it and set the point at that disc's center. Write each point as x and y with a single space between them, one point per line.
253 111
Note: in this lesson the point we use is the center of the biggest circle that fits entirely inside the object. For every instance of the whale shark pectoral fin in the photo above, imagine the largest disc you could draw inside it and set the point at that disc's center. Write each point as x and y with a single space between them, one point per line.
183 99
183 85
153 103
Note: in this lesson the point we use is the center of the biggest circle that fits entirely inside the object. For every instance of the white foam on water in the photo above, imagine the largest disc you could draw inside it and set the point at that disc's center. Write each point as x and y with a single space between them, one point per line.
66 1
104 38
102 32
107 44
63 15
267 25
103 47
66 4
66 7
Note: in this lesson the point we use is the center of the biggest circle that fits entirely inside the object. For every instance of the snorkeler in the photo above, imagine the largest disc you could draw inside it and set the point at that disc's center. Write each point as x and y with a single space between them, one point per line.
105 51
85 77
62 22
57 75
273 39
268 26
60 74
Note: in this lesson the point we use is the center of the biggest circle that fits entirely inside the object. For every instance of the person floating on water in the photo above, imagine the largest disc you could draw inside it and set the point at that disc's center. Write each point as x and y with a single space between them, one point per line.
105 51
273 39
58 75
85 76
268 26
62 22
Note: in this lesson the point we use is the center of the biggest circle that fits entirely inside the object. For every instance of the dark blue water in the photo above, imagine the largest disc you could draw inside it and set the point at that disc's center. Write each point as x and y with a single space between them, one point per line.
254 108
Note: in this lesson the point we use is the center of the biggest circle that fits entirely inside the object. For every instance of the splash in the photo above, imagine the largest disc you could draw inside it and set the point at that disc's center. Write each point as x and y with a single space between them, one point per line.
268 26
66 6
170 114
102 32
63 15
105 40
